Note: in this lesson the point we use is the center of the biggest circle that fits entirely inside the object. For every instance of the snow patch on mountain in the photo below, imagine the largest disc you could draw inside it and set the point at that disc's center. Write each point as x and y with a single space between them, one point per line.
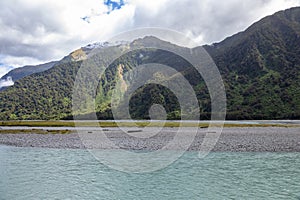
106 44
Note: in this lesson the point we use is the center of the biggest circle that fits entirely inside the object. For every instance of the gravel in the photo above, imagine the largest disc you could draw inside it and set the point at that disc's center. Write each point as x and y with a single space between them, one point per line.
266 139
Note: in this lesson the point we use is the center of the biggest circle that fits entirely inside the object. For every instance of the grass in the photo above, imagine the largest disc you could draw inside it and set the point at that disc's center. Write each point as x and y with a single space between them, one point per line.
38 123
34 131
130 124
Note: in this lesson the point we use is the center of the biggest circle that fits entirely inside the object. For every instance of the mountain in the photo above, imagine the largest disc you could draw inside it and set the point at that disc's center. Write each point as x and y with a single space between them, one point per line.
18 73
80 54
259 66
21 72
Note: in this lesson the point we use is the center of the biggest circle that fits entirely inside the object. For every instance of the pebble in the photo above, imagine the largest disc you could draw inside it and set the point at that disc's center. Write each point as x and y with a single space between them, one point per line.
252 139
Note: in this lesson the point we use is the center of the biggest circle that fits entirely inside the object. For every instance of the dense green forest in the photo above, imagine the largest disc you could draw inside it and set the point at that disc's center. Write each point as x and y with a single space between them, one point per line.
260 69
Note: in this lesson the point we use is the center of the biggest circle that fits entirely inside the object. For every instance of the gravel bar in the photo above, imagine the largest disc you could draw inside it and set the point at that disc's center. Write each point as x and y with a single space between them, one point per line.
249 139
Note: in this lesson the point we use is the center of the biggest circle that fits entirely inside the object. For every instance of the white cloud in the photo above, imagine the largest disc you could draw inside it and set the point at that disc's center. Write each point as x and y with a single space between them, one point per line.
6 82
4 69
151 8
35 31
18 61
210 21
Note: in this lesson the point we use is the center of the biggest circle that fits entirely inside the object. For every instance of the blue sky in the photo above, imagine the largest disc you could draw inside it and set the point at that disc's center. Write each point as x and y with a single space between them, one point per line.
37 31
113 5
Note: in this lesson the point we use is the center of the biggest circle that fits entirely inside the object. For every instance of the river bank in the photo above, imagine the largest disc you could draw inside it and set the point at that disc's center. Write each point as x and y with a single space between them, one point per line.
234 139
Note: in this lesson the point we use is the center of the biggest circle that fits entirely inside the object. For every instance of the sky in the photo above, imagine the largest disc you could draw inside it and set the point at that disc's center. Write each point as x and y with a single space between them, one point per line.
37 31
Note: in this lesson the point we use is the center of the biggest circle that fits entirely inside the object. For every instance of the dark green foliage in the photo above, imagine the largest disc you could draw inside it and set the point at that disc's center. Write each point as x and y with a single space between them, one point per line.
142 100
40 96
260 68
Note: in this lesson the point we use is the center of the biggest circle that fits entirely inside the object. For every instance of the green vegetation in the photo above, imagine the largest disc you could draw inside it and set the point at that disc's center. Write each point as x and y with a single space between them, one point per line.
260 68
21 72
34 131
106 124
38 123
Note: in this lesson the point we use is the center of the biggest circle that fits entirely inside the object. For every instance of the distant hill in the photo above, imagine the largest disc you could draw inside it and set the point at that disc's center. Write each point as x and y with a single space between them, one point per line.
21 72
18 73
260 68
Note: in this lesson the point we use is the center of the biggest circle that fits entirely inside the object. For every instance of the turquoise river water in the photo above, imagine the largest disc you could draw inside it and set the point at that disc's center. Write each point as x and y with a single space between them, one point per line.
40 173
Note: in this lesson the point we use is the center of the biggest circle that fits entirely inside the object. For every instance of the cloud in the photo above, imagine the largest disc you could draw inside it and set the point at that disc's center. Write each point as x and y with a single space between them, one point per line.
36 31
207 21
7 82
113 5
4 69
110 6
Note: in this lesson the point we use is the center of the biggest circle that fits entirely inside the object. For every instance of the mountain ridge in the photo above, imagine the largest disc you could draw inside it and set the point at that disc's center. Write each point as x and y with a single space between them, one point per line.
27 70
260 68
